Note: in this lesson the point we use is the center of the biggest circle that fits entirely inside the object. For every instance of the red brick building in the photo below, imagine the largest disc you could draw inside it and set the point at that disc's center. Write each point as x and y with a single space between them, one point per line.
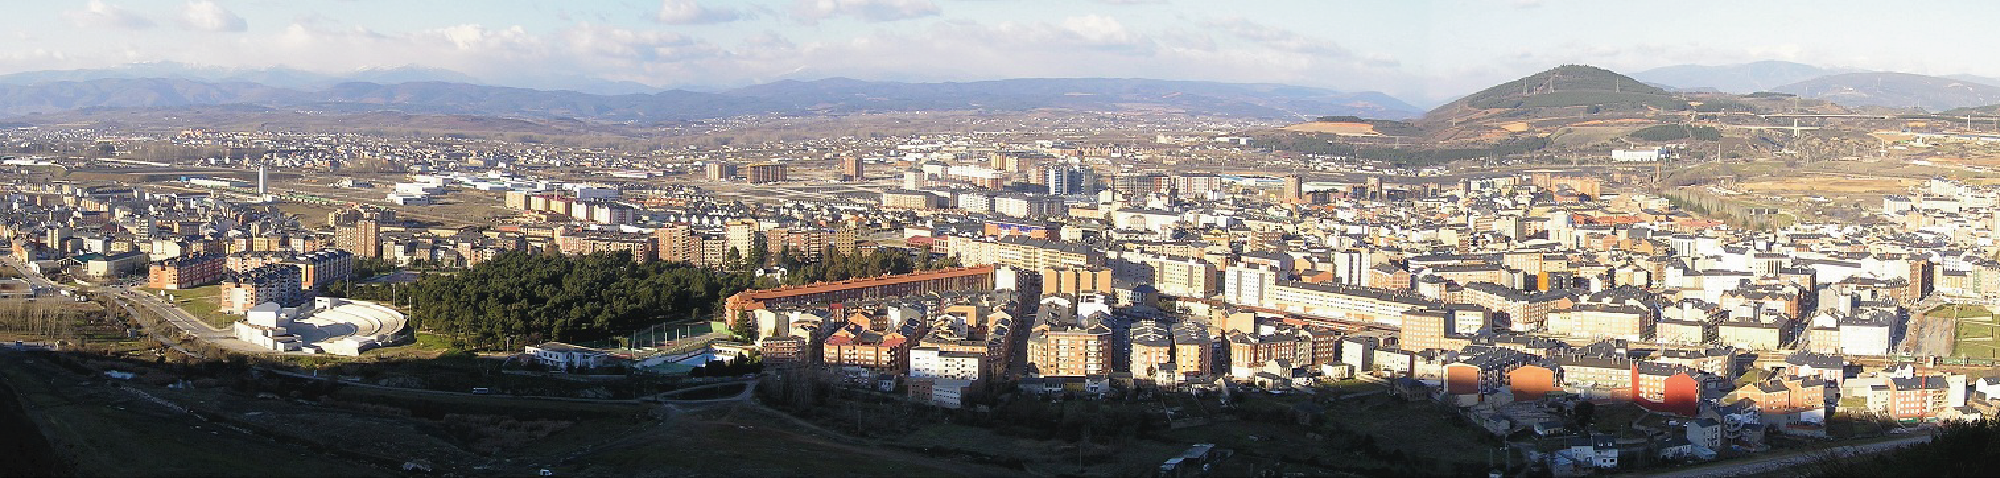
187 272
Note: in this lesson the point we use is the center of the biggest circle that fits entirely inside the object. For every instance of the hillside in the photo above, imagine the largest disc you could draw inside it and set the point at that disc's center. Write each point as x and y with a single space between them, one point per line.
833 96
1738 78
1571 91
1896 90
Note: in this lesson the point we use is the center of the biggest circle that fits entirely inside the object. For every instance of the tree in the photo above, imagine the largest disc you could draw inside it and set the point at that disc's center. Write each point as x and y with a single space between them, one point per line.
732 259
760 249
745 328
1584 413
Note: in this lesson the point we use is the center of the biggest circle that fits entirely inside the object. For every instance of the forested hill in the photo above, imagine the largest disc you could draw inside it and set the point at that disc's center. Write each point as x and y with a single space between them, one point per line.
519 298
1568 91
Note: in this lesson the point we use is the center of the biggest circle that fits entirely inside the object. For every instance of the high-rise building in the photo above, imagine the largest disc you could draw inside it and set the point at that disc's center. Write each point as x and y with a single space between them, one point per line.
364 238
741 233
678 243
765 172
1067 180
1294 189
359 230
720 171
850 168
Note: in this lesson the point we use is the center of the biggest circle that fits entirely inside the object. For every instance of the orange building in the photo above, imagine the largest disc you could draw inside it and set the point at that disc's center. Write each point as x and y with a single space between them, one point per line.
1531 382
966 278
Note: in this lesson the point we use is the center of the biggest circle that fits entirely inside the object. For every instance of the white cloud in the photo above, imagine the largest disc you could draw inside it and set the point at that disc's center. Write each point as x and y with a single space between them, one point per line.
1286 40
691 12
1100 30
98 14
871 10
206 15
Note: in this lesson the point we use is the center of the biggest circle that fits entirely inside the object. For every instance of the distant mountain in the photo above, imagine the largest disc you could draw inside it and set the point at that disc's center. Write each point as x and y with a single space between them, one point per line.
1738 78
1896 90
47 94
1235 99
278 76
122 92
1974 78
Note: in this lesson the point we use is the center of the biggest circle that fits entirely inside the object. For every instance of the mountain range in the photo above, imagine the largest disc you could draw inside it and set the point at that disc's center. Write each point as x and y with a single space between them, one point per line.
1738 78
1896 90
1846 86
46 92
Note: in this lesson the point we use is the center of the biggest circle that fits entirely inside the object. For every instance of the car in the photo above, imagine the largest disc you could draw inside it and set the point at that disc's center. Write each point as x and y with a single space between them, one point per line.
481 391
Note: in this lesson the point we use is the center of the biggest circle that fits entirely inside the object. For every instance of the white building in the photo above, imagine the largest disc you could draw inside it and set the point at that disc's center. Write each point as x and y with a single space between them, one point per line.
1866 335
566 357
332 325
1651 154
929 362
1249 285
410 199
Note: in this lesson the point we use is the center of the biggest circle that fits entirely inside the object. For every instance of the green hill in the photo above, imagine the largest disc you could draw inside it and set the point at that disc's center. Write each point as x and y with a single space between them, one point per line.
1572 85
1568 91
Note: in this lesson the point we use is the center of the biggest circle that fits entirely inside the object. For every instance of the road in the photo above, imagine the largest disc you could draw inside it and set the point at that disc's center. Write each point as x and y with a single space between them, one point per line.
180 319
1780 462
35 279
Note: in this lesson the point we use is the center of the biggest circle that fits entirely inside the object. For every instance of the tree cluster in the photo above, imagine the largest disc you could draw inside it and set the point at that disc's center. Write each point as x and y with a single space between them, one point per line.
520 298
835 266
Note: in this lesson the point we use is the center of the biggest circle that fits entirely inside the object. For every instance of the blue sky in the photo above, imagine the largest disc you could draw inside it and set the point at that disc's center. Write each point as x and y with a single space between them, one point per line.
1422 51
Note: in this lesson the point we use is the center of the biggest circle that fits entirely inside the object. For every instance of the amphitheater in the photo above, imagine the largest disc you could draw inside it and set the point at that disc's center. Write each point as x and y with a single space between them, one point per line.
328 325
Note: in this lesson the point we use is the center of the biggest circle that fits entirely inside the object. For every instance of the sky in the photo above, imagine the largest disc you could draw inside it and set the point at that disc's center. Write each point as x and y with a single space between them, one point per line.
1422 51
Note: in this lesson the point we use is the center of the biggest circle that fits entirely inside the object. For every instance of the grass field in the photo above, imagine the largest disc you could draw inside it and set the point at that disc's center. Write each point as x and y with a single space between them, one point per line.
743 440
106 431
426 346
1974 330
201 303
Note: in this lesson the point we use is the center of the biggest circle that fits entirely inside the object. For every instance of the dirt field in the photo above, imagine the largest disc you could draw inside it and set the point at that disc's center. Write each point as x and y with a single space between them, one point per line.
1830 184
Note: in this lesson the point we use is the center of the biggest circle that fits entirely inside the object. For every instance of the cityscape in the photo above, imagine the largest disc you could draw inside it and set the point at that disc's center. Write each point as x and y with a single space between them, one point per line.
1122 239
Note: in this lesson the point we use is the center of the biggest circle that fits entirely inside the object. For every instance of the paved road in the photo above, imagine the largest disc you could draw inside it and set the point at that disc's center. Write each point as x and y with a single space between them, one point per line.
182 320
1780 462
34 278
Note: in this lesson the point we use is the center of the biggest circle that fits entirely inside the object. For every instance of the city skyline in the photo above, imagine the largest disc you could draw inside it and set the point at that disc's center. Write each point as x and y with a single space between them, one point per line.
1422 52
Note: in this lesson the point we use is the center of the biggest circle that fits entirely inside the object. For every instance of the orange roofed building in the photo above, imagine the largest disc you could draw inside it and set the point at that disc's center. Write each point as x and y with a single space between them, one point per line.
965 278
851 345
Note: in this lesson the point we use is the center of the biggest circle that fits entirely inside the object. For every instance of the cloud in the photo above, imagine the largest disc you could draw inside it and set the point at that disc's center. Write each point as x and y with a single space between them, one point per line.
690 12
812 11
592 41
1526 4
206 15
98 14
1286 40
1132 2
1100 31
